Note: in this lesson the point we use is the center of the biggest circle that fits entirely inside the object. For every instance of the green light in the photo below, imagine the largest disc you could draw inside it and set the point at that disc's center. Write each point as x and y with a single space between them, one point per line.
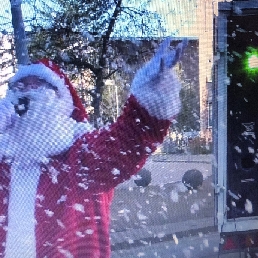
253 62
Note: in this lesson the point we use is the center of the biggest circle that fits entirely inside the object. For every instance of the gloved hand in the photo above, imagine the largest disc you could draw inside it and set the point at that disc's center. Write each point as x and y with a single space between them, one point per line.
156 86
7 114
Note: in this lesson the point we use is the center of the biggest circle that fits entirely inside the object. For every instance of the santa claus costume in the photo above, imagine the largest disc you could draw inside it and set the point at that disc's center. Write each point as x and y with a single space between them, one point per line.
57 173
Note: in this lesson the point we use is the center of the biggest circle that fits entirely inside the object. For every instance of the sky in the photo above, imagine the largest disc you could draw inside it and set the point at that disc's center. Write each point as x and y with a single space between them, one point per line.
179 15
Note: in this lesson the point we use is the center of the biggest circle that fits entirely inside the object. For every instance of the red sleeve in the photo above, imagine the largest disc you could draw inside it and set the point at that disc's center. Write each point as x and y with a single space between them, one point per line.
112 155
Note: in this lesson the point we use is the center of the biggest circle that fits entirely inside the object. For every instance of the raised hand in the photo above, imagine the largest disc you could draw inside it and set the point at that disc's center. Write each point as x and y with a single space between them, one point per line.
156 86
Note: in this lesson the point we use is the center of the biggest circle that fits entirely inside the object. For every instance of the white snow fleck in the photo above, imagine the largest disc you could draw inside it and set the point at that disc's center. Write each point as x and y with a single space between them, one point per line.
54 173
130 241
247 180
215 249
85 147
84 168
66 167
45 160
144 242
174 196
60 223
161 234
164 207
206 242
238 149
141 216
89 231
115 171
175 239
125 212
2 218
233 195
248 206
47 243
194 208
142 190
148 150
136 177
251 150
82 185
62 199
49 213
79 234
40 197
66 253
79 207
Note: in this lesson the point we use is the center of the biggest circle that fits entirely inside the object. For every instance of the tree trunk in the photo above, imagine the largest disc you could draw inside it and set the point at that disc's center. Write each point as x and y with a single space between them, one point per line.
99 87
21 48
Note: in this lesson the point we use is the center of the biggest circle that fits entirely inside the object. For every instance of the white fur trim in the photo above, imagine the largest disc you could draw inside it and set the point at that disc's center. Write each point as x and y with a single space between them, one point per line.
21 241
49 76
42 72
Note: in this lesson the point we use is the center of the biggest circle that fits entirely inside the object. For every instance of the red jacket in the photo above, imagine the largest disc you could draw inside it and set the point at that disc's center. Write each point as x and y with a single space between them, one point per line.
73 213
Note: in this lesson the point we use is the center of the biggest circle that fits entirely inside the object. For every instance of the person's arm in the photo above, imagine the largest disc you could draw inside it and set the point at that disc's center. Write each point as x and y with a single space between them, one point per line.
114 154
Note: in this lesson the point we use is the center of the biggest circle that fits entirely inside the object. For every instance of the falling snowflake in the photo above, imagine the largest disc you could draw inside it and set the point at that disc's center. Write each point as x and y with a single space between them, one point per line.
141 216
148 150
206 242
62 199
60 223
174 196
79 234
49 213
175 239
66 253
238 149
78 207
115 172
89 231
54 173
248 206
194 208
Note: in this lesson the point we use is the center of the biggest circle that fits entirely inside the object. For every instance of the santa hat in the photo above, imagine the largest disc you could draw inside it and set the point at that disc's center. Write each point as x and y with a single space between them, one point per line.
51 73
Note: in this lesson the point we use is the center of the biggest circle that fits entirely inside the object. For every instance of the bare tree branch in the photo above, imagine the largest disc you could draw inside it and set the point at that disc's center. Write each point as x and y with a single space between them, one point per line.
110 29
110 74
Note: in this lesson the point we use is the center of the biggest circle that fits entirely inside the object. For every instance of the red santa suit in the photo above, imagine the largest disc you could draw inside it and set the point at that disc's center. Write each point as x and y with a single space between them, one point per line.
57 204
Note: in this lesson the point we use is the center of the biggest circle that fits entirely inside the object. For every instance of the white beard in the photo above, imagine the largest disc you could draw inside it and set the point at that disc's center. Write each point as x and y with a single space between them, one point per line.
45 130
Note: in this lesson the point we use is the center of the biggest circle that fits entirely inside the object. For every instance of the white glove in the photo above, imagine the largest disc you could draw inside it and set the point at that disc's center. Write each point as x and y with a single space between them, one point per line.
7 114
156 86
